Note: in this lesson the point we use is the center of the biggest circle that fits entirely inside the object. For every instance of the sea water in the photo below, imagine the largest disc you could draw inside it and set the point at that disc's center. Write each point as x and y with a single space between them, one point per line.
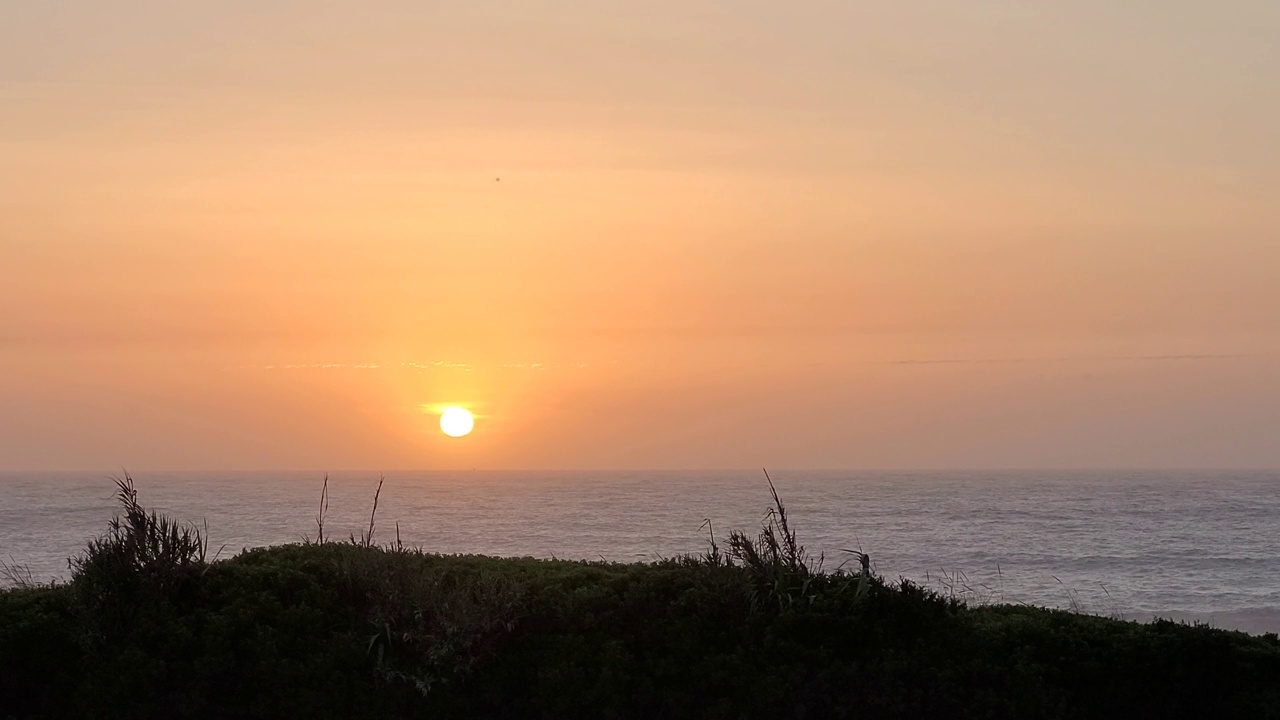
1187 545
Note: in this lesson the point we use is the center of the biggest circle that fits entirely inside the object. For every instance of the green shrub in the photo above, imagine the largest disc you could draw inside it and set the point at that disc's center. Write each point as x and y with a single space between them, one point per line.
144 559
150 628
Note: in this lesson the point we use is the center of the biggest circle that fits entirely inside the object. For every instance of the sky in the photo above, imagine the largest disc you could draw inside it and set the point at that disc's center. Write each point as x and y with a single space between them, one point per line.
663 234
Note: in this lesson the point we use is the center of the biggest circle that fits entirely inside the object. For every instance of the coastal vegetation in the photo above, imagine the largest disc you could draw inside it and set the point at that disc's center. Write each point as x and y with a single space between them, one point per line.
153 624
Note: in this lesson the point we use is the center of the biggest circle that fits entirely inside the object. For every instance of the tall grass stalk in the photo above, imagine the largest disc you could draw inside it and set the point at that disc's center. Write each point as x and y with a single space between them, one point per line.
366 536
324 510
16 575
781 569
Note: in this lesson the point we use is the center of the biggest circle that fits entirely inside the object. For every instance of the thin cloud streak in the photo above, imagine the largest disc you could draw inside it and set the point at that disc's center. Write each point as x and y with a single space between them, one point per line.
539 367
419 366
1067 359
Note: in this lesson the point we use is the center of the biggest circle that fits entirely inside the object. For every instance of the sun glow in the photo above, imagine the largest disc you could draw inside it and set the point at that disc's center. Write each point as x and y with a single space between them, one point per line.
456 422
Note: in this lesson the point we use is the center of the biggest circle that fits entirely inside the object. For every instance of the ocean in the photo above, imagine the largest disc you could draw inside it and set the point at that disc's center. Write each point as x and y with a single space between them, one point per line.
1134 544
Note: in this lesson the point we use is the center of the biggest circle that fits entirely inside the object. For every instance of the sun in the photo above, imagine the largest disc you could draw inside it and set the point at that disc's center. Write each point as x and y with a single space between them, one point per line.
456 422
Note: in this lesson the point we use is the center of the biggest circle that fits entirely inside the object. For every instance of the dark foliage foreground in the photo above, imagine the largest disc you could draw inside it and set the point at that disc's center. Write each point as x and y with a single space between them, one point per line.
148 628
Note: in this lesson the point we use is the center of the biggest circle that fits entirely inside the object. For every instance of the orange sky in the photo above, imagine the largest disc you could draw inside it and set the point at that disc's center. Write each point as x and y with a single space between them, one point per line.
266 234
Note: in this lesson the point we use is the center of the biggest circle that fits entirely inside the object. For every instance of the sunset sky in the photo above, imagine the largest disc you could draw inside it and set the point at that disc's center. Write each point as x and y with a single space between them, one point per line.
683 234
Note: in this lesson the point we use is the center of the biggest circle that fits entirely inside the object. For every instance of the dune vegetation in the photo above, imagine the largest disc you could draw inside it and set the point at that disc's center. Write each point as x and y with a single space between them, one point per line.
149 626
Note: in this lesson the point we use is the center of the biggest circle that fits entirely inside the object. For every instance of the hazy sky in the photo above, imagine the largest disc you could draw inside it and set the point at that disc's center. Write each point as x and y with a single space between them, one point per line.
267 234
